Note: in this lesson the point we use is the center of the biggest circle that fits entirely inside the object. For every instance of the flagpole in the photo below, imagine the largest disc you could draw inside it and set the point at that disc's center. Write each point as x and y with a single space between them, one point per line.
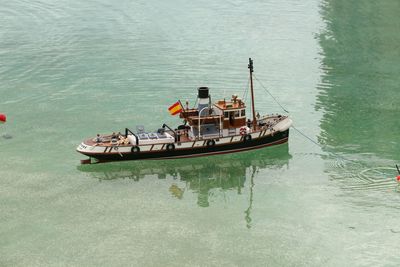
181 105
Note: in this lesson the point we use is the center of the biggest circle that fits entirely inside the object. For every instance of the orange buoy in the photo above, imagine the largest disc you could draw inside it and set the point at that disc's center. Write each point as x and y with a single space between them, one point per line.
398 178
3 118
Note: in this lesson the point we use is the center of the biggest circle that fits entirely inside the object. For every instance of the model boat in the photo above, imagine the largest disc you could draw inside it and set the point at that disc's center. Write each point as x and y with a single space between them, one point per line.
208 129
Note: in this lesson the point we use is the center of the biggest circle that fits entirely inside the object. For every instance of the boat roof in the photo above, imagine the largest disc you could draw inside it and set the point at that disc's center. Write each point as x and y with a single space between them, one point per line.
228 105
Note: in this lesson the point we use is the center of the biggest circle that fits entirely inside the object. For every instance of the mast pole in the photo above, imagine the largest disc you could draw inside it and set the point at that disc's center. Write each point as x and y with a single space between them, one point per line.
251 69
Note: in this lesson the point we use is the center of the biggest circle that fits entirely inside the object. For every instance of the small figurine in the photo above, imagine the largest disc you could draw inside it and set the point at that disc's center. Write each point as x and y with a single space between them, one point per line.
98 139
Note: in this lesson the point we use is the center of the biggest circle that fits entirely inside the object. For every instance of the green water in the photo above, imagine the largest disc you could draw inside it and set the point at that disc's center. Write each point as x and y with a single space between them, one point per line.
71 69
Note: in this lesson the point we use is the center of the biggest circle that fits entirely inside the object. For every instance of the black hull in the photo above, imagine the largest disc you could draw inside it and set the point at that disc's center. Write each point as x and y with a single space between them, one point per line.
276 139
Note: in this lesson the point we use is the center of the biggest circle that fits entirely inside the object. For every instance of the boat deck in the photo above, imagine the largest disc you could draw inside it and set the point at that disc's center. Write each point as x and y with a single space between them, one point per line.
264 123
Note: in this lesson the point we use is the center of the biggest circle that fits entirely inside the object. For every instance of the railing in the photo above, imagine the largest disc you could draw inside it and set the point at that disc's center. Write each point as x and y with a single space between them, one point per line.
199 125
129 131
169 128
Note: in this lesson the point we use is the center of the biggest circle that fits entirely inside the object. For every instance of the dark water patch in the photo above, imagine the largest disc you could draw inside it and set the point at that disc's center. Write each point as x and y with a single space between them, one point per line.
357 92
359 86
7 136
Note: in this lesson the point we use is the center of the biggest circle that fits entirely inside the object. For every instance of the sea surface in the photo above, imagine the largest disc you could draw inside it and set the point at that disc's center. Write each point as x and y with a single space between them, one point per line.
72 69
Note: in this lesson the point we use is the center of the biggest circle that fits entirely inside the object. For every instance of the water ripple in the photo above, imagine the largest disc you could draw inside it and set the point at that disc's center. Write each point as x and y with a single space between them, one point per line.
374 178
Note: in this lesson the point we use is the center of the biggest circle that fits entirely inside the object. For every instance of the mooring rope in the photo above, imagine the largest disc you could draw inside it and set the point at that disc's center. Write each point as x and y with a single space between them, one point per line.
321 146
326 151
307 137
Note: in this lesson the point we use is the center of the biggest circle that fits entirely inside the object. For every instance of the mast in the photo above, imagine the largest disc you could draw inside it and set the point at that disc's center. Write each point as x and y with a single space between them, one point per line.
250 66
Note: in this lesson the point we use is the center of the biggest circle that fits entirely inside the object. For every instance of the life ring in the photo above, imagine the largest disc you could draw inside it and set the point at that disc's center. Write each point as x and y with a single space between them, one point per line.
211 143
170 147
247 138
135 149
243 131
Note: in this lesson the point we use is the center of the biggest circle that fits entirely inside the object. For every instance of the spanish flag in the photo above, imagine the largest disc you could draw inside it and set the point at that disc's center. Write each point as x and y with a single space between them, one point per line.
175 108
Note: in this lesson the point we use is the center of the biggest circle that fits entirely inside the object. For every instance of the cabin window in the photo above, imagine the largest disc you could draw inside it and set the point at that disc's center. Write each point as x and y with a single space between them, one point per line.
243 112
237 113
226 114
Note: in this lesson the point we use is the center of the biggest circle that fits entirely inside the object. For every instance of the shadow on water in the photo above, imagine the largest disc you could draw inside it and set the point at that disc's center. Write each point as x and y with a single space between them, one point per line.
200 175
358 93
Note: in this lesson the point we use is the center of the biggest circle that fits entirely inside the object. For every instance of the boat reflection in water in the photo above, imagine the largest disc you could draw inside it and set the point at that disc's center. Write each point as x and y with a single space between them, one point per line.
199 175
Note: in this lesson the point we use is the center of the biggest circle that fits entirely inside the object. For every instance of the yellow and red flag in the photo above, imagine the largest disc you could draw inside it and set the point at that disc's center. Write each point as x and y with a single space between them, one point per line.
175 108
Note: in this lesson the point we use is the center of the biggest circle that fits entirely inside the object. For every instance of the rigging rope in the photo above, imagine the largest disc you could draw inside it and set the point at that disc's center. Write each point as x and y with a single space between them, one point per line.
246 90
297 130
195 102
284 109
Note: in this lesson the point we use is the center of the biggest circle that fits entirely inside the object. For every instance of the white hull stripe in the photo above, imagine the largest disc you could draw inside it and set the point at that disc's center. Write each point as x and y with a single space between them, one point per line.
160 147
281 141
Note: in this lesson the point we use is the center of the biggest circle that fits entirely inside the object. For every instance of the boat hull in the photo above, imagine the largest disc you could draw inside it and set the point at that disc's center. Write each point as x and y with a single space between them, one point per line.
255 143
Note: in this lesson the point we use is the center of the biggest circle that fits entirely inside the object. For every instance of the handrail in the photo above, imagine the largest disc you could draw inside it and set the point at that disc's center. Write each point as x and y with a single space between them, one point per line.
129 131
199 119
169 128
